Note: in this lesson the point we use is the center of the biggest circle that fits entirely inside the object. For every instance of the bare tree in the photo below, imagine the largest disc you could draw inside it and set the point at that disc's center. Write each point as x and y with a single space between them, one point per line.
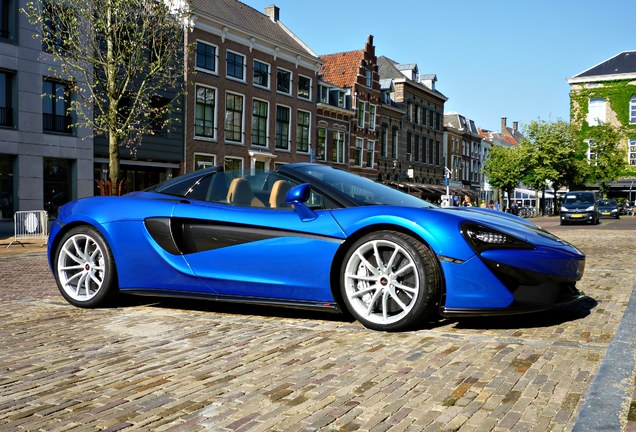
126 58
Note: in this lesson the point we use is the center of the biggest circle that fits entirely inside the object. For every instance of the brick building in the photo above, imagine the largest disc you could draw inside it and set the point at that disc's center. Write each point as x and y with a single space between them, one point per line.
252 89
419 156
357 73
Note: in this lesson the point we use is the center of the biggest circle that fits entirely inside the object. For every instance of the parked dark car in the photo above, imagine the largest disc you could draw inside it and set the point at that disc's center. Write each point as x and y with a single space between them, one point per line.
608 208
579 207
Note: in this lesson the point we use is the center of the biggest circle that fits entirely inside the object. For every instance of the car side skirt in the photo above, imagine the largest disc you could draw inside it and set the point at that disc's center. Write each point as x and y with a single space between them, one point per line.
294 304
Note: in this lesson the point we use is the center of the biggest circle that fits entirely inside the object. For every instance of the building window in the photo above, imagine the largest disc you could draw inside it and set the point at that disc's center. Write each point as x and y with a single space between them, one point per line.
591 152
261 74
6 98
304 87
53 26
283 81
204 160
632 152
359 149
372 114
342 100
431 150
204 123
235 67
409 146
232 163
361 113
338 147
384 141
302 131
395 142
55 107
416 148
324 94
206 57
368 78
158 123
632 110
321 145
438 152
5 9
260 110
234 117
424 114
370 154
282 127
596 111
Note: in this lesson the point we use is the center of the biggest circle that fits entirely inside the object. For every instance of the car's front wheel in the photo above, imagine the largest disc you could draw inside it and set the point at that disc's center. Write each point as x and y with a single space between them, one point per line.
84 268
389 281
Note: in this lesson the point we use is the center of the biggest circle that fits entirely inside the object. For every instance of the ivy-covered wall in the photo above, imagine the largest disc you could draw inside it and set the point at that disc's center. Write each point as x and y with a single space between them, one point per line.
616 93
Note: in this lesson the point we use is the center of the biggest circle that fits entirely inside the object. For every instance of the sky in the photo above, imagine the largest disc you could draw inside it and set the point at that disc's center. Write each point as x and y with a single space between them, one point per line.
492 58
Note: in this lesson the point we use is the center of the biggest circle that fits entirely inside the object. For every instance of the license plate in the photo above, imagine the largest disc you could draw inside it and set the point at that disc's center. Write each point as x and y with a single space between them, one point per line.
577 216
606 213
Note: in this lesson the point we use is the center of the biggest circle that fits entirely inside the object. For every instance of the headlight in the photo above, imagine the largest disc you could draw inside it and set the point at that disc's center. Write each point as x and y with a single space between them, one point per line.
590 208
564 210
482 238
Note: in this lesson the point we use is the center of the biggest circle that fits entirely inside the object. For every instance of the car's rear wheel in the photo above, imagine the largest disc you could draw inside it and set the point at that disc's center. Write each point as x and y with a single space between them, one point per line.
389 281
84 268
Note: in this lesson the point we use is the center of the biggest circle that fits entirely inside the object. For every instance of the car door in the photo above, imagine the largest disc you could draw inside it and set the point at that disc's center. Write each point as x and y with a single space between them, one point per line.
259 252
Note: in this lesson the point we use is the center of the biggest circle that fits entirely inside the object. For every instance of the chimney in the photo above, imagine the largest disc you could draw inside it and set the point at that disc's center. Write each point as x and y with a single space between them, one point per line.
273 12
515 126
503 124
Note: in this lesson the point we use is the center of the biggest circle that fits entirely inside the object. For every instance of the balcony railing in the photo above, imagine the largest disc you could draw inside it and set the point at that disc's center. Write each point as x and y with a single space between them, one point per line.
6 116
56 123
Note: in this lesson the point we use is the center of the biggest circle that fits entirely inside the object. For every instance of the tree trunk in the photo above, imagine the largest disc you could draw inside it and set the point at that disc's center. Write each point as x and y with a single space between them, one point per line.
111 72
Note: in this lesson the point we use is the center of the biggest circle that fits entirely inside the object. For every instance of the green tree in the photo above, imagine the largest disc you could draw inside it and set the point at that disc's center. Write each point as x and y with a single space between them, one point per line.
123 60
549 152
606 157
503 168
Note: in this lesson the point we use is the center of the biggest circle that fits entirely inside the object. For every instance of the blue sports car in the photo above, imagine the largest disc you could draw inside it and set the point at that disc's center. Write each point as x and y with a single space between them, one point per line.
309 236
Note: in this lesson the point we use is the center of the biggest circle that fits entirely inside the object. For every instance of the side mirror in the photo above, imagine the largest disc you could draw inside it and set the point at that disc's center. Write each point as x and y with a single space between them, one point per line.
298 196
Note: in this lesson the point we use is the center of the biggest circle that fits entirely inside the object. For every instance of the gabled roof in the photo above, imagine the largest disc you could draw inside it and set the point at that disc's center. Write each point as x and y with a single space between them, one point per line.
240 16
622 65
341 69
389 69
408 66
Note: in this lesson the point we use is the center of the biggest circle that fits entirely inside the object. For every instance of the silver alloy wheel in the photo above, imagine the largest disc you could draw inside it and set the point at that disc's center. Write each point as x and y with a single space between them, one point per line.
382 282
81 267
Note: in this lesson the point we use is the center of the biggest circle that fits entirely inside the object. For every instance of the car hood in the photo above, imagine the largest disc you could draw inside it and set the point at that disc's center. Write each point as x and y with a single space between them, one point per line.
441 227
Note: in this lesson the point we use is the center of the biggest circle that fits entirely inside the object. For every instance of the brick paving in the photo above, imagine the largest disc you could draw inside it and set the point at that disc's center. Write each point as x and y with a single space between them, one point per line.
167 365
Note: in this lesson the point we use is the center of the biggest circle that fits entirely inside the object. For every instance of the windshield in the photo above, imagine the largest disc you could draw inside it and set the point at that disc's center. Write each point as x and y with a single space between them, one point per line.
607 203
360 190
579 198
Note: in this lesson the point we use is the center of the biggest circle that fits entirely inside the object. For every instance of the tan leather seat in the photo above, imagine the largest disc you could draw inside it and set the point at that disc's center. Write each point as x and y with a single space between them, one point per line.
240 193
279 193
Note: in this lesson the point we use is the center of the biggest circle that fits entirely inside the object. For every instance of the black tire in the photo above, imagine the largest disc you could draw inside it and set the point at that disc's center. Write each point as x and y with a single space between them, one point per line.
84 268
395 292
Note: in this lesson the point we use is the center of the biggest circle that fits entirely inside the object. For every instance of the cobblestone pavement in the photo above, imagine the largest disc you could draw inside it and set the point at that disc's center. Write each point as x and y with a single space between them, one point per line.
152 364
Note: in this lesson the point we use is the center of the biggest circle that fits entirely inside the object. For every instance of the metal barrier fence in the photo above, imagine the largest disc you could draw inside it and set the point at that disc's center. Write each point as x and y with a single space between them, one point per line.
30 225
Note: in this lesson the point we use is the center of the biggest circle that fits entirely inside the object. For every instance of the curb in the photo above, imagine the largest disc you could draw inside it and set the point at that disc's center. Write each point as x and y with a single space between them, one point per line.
611 391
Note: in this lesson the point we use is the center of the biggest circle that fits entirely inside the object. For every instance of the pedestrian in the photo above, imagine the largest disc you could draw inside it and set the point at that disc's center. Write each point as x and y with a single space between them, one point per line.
455 200
491 205
467 202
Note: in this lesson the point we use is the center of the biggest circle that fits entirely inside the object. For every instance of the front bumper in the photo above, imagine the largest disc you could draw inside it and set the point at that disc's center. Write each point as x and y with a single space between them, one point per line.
573 217
608 214
511 282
